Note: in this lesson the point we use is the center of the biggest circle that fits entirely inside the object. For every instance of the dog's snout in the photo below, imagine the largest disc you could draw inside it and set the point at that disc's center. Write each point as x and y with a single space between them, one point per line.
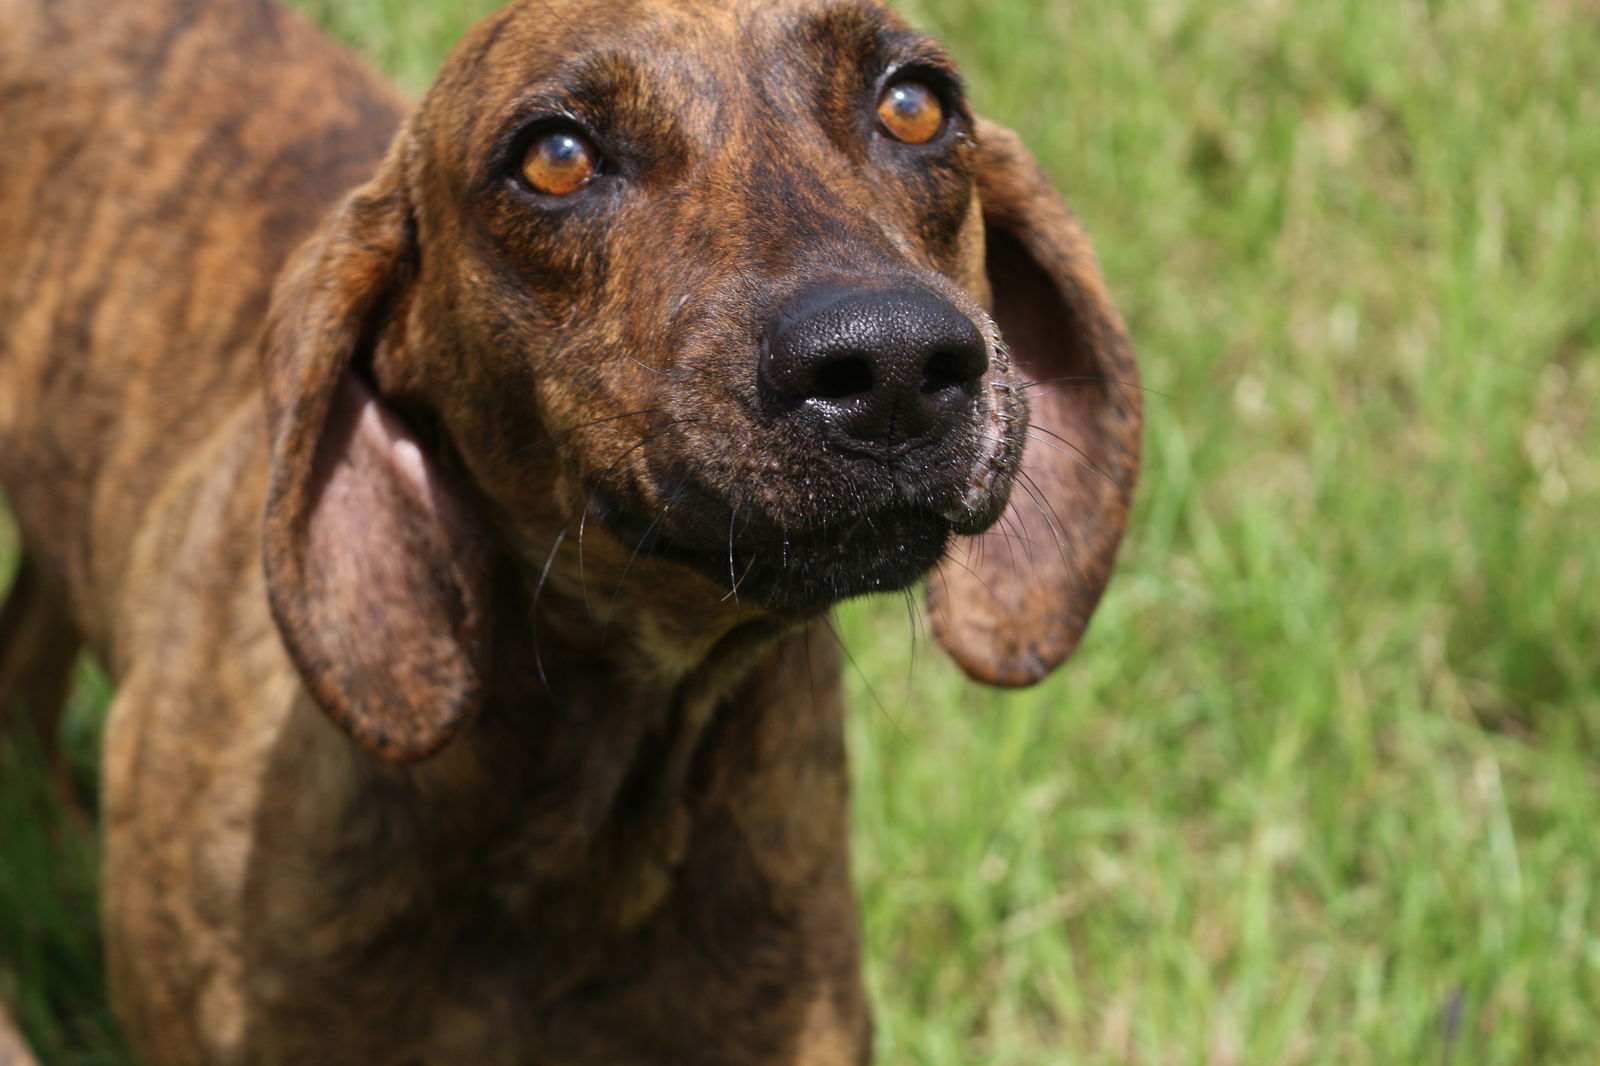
876 369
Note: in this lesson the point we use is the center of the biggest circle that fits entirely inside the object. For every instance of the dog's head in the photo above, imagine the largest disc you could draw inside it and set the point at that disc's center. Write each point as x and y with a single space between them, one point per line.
748 287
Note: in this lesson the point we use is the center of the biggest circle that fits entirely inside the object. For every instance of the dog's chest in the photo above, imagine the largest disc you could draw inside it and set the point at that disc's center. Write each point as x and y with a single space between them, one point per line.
713 930
709 983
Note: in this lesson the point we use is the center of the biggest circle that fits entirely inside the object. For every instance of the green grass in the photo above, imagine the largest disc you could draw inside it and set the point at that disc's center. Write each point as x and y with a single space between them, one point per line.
1322 785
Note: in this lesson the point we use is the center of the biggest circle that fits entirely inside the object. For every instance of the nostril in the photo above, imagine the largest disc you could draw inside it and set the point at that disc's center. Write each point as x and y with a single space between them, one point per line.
873 369
946 370
837 379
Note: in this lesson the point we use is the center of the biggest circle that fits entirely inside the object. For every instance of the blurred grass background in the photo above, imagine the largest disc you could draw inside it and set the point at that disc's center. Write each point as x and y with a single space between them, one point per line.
1321 786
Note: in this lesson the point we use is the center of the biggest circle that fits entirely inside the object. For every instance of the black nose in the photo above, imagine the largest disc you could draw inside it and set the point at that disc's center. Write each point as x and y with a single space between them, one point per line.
878 369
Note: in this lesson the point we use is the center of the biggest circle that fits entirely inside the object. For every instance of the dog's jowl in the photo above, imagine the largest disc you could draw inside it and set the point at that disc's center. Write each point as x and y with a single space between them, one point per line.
455 496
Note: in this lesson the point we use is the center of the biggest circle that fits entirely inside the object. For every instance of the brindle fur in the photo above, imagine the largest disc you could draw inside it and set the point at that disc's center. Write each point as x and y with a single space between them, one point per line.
470 771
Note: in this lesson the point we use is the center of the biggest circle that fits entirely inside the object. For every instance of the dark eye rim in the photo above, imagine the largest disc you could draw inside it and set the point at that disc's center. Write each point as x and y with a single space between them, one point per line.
947 90
516 146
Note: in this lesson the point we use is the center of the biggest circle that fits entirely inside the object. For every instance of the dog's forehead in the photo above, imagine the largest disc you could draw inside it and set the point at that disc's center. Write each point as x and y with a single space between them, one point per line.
531 27
691 51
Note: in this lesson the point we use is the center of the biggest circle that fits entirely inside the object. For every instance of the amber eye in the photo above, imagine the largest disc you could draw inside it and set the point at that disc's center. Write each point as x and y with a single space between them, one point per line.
559 163
911 112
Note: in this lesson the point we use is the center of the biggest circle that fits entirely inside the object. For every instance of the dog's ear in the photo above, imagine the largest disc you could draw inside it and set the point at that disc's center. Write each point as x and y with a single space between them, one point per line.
1010 604
374 564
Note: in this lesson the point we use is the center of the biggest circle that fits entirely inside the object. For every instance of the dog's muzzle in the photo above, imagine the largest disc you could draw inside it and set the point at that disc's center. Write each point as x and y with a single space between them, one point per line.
880 436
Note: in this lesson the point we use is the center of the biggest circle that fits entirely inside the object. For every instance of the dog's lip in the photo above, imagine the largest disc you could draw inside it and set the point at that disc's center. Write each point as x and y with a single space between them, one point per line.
800 551
633 528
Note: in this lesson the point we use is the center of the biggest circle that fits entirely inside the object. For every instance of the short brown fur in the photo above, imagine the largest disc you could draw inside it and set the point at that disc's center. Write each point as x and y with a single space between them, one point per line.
425 747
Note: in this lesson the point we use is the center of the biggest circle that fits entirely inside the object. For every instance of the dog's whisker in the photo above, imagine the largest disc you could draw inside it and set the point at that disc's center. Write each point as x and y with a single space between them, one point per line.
872 693
583 574
583 521
1060 532
1087 379
1012 533
912 616
649 530
976 545
811 668
733 581
749 566
1081 458
533 608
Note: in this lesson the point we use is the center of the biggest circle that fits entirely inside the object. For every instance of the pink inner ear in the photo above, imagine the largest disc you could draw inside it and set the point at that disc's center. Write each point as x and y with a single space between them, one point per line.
383 438
371 472
385 431
391 564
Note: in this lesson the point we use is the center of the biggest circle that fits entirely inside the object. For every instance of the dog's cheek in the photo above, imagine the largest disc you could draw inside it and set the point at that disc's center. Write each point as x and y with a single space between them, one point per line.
942 196
967 266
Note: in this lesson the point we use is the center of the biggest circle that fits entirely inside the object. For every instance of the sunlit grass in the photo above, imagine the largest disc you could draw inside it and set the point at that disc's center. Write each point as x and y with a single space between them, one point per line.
1321 785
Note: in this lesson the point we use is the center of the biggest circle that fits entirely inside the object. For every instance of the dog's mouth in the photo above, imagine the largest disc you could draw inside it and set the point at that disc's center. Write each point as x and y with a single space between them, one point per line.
789 570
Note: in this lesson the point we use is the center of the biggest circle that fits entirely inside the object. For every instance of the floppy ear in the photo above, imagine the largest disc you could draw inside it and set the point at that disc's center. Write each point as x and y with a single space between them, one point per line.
1010 604
374 564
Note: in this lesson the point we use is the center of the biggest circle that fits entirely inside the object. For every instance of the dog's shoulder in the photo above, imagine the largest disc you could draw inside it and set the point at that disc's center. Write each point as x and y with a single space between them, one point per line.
163 159
187 89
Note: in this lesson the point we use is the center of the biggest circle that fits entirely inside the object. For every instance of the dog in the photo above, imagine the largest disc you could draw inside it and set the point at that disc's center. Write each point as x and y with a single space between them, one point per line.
456 498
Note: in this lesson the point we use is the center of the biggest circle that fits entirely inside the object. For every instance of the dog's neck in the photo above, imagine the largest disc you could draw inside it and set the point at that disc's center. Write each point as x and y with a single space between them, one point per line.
574 797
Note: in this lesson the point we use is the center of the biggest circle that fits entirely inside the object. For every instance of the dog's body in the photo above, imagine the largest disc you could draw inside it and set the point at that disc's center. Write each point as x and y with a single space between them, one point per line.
588 800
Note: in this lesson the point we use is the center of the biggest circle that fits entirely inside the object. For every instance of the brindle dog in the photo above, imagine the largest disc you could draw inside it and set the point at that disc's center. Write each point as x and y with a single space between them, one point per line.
456 499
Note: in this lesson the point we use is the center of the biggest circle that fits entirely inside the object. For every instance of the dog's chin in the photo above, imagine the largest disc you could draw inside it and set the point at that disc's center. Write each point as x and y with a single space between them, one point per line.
881 551
799 572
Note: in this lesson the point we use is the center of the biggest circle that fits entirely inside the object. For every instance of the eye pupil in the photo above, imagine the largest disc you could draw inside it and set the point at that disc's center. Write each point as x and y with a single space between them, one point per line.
564 149
559 163
909 111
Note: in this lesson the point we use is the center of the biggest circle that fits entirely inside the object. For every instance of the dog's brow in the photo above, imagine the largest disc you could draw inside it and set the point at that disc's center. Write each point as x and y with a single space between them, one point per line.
592 83
863 38
848 29
613 93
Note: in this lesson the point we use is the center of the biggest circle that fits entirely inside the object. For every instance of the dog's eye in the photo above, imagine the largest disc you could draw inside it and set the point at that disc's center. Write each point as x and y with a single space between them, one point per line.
911 112
559 163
